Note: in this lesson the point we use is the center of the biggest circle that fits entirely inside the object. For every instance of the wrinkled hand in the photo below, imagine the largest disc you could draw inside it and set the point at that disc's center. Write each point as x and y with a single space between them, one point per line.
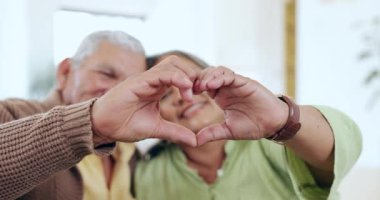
130 111
250 110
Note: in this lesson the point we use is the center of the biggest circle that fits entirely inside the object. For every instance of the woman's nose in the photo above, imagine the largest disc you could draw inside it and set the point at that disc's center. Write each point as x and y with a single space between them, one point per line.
179 102
177 99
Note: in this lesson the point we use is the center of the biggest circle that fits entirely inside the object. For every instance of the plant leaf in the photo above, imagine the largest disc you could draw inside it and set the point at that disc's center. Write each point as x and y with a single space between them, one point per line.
365 54
372 76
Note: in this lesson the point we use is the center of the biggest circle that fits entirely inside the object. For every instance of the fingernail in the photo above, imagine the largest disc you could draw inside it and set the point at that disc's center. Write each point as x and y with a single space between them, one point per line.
188 94
189 82
197 82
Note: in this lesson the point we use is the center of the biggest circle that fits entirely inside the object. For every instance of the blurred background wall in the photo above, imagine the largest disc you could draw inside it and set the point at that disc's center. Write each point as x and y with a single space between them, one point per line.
338 63
38 34
337 51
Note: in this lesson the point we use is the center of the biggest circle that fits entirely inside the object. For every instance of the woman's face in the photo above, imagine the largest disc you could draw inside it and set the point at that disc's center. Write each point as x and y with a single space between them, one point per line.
195 115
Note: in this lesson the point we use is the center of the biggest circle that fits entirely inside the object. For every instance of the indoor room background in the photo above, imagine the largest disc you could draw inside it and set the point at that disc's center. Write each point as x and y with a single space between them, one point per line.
318 51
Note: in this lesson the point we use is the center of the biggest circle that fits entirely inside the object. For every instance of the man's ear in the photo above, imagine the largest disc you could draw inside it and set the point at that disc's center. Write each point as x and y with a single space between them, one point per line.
63 72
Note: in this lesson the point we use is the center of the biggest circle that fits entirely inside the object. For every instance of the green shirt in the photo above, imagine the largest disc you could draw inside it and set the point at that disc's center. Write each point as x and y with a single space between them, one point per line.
252 170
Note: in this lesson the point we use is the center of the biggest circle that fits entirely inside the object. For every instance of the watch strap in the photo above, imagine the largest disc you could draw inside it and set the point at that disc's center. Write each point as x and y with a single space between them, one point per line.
292 125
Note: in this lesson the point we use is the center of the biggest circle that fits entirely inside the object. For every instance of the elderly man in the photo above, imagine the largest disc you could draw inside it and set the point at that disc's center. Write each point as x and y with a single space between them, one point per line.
37 147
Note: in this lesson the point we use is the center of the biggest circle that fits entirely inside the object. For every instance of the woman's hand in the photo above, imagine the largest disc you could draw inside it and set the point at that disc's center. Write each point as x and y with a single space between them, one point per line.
251 111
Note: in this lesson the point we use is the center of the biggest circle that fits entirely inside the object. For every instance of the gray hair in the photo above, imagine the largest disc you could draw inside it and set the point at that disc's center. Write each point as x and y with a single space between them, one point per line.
92 42
153 60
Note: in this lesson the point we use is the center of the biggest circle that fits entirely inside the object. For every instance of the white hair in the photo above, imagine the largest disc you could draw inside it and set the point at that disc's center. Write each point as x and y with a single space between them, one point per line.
90 44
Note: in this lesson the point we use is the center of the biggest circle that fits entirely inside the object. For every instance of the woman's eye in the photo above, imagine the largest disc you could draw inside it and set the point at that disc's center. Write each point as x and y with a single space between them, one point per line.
108 74
166 95
163 97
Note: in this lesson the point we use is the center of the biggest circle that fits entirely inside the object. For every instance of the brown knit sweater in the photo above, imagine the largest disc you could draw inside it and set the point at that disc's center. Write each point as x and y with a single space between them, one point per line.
36 151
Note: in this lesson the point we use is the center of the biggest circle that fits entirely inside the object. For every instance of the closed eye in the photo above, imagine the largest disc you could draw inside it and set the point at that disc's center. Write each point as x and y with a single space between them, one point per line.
107 73
167 94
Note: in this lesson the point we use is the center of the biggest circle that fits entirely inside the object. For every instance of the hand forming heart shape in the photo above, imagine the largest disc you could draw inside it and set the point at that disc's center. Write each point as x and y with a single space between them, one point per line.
130 111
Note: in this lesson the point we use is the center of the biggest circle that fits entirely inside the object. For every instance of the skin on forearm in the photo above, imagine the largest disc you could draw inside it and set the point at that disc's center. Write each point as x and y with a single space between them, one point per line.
314 143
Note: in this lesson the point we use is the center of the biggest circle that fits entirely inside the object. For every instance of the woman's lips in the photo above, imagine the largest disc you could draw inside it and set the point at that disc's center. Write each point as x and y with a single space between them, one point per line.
192 110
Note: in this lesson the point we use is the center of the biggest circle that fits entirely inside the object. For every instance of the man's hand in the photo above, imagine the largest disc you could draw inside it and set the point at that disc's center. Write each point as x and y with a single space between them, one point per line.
130 111
251 111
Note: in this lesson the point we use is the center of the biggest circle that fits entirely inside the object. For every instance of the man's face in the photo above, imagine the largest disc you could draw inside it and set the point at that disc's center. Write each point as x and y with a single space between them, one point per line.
106 67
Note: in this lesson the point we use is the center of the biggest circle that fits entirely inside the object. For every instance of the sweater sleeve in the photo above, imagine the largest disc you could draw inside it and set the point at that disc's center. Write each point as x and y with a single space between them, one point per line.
34 148
13 109
347 148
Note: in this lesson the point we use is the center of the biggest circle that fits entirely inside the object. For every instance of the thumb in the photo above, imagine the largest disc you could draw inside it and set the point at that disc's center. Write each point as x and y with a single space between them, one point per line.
213 132
176 133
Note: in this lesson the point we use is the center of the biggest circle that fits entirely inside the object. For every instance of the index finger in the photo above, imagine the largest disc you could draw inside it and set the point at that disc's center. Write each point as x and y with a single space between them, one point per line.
186 66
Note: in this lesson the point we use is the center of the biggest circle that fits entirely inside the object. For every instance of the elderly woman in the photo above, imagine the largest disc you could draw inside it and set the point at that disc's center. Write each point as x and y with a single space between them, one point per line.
251 143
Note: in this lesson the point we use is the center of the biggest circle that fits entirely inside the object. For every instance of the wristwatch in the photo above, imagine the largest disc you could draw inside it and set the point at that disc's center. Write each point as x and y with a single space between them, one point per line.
292 125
